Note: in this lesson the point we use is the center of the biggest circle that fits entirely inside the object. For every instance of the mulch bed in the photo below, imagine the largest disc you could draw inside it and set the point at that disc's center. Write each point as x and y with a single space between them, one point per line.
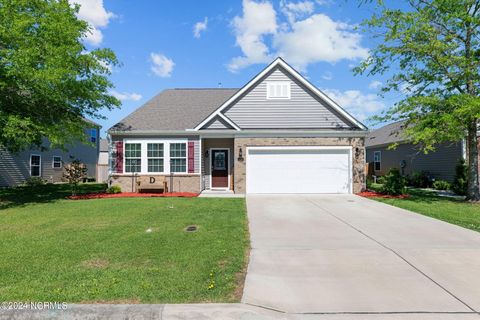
373 194
132 195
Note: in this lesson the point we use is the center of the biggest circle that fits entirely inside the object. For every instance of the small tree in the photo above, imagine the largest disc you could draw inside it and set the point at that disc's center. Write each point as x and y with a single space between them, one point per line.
74 173
429 49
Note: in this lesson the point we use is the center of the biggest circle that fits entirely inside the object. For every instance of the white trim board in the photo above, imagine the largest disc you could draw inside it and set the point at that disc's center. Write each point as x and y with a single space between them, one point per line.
279 62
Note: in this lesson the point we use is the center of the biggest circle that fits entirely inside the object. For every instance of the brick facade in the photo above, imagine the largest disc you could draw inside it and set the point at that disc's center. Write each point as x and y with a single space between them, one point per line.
358 170
181 182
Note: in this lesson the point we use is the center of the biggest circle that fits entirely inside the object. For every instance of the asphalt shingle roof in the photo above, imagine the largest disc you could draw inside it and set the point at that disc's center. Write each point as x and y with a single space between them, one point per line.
175 109
391 133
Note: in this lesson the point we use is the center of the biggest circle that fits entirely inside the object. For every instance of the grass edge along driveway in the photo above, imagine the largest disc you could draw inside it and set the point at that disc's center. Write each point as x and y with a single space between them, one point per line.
130 250
461 213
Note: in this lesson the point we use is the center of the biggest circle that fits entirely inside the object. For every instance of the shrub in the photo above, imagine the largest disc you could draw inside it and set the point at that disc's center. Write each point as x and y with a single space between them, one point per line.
441 185
35 181
394 183
460 181
74 173
419 179
381 180
114 189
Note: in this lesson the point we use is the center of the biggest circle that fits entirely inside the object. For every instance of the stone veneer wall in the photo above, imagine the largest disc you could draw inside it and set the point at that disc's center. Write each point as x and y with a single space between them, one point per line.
358 162
181 183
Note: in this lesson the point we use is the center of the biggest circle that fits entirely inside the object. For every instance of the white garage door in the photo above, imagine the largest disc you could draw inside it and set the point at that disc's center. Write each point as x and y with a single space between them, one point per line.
298 170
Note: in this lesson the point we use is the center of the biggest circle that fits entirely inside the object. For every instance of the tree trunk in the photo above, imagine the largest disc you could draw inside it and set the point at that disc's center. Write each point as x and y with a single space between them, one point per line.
473 192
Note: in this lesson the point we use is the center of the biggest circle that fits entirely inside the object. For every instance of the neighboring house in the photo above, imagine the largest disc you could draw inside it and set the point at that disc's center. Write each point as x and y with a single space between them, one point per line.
102 165
408 157
16 168
277 134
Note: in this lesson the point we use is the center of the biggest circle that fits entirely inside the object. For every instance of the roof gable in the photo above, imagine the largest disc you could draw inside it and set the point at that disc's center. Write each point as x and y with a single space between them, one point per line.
307 108
218 123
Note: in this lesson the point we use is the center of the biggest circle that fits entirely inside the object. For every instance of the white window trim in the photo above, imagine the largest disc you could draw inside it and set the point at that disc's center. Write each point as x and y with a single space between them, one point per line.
53 162
289 90
379 160
39 165
125 158
186 156
228 167
166 156
162 158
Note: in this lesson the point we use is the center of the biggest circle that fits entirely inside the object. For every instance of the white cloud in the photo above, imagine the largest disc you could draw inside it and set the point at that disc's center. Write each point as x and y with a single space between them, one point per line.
258 20
375 84
327 75
295 10
125 96
199 27
94 12
355 102
306 37
319 38
161 65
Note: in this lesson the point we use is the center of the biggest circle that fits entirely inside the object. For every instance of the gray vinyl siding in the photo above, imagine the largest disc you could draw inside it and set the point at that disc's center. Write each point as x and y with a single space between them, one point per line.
217 124
194 139
439 164
15 168
253 110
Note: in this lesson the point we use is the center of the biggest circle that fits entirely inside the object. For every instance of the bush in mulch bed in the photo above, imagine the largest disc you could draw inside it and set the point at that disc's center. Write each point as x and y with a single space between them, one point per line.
132 195
373 194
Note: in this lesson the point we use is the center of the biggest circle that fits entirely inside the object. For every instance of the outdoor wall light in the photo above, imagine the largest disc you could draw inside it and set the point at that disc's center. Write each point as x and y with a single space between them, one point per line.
206 154
240 154
357 152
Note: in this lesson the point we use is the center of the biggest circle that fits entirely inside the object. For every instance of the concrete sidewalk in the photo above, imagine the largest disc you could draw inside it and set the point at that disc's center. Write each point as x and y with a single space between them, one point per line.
206 312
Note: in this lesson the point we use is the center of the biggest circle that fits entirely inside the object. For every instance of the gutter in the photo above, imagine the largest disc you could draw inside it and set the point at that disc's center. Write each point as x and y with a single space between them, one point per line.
246 133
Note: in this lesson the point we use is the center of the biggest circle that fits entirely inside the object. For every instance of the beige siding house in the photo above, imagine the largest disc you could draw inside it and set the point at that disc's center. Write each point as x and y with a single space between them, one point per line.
276 134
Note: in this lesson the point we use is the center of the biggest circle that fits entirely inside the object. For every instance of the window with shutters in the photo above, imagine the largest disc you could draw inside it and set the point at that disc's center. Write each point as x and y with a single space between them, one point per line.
278 90
178 157
133 157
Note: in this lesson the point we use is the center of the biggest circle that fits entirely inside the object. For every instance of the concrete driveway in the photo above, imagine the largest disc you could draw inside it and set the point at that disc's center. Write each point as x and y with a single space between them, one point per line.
343 254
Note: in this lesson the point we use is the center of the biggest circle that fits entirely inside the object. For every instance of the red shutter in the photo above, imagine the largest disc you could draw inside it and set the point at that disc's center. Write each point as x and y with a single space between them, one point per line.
119 157
191 155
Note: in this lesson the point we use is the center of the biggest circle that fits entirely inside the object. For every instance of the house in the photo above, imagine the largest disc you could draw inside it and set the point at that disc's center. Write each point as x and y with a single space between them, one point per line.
408 157
16 168
102 164
277 134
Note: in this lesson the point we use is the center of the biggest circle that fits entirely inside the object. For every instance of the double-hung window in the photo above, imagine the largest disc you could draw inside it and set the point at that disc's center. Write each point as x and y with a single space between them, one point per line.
377 158
35 163
155 157
57 162
178 157
133 157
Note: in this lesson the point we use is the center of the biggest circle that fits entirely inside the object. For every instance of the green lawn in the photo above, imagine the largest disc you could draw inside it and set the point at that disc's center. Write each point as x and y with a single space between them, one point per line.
54 249
458 212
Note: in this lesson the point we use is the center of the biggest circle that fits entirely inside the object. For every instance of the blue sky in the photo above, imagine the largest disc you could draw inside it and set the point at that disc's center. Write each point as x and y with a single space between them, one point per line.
168 44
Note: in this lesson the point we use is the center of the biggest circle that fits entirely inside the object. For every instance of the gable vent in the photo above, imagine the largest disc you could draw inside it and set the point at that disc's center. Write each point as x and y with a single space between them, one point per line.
278 90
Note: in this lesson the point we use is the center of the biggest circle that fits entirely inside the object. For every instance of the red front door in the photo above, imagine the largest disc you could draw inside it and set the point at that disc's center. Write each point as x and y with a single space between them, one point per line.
219 168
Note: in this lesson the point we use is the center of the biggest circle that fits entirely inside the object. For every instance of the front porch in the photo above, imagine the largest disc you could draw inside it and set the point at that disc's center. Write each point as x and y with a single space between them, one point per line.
217 163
